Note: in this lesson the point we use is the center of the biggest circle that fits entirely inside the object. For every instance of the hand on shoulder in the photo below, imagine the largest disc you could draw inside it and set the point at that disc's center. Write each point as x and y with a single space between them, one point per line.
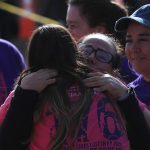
38 80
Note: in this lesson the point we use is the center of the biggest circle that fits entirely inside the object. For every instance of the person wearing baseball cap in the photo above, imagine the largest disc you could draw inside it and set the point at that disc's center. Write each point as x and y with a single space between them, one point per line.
137 49
141 16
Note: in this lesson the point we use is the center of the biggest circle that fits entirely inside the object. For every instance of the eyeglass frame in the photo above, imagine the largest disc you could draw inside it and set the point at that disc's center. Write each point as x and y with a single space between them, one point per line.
95 50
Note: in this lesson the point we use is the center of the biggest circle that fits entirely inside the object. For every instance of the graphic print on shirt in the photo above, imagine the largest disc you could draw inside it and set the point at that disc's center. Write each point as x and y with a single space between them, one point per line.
105 117
100 130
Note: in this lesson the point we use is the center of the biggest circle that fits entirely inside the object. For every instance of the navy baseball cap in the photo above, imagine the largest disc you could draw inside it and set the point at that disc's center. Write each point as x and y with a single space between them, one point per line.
141 15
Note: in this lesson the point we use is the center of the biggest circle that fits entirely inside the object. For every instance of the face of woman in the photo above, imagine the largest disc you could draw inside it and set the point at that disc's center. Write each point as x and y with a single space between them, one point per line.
99 54
138 48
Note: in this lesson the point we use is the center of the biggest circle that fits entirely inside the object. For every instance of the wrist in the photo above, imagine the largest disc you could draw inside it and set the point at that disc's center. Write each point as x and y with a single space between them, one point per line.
126 95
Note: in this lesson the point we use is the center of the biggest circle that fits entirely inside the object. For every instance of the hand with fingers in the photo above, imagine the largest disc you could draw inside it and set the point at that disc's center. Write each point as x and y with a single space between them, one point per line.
106 83
39 80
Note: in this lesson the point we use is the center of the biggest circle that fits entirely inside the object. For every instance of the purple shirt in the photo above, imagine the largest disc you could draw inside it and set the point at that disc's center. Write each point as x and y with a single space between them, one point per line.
142 90
127 74
12 63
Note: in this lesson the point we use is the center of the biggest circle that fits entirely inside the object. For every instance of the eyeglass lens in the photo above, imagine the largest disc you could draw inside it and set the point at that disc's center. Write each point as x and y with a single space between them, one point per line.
100 54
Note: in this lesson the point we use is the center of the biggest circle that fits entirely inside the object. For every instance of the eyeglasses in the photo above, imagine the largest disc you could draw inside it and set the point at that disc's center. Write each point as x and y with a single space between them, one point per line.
100 54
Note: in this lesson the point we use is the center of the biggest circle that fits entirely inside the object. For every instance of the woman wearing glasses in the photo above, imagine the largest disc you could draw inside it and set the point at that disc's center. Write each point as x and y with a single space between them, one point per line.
102 53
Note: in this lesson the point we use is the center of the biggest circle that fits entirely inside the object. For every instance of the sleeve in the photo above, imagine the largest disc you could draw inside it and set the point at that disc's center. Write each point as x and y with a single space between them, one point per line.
17 124
137 128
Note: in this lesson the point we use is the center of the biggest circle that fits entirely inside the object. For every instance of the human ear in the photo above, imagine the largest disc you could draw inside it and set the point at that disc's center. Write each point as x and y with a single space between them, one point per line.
101 29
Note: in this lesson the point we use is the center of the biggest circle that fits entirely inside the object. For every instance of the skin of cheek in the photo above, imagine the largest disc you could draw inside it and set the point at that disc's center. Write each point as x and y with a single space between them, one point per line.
140 66
102 67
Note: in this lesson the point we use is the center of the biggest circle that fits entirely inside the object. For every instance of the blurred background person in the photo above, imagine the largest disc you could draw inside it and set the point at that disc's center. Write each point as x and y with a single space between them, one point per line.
12 63
134 4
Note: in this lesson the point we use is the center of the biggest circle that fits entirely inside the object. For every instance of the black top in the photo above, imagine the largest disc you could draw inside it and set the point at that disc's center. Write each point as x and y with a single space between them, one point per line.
17 125
137 128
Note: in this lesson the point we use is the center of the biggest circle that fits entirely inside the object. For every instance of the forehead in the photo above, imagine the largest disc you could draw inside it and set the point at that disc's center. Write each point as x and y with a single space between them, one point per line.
135 28
73 14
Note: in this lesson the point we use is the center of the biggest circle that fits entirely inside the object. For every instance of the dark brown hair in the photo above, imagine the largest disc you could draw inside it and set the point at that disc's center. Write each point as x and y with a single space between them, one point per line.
52 46
101 12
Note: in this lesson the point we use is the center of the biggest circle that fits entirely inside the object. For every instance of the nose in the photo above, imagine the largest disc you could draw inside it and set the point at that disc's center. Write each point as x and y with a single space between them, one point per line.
135 47
68 27
73 33
91 59
70 30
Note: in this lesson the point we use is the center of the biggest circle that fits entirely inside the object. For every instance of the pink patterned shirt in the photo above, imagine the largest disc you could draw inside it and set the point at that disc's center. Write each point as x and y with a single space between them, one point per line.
100 129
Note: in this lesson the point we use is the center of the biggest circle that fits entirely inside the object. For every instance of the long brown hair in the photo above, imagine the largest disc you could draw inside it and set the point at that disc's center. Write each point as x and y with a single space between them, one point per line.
52 46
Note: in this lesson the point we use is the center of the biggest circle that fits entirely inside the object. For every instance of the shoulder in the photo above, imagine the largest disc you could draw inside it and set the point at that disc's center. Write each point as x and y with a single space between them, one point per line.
7 44
8 99
8 48
4 107
10 54
138 81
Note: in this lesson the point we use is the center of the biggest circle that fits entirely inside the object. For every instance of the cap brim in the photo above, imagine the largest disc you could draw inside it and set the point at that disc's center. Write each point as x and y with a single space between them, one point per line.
122 23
